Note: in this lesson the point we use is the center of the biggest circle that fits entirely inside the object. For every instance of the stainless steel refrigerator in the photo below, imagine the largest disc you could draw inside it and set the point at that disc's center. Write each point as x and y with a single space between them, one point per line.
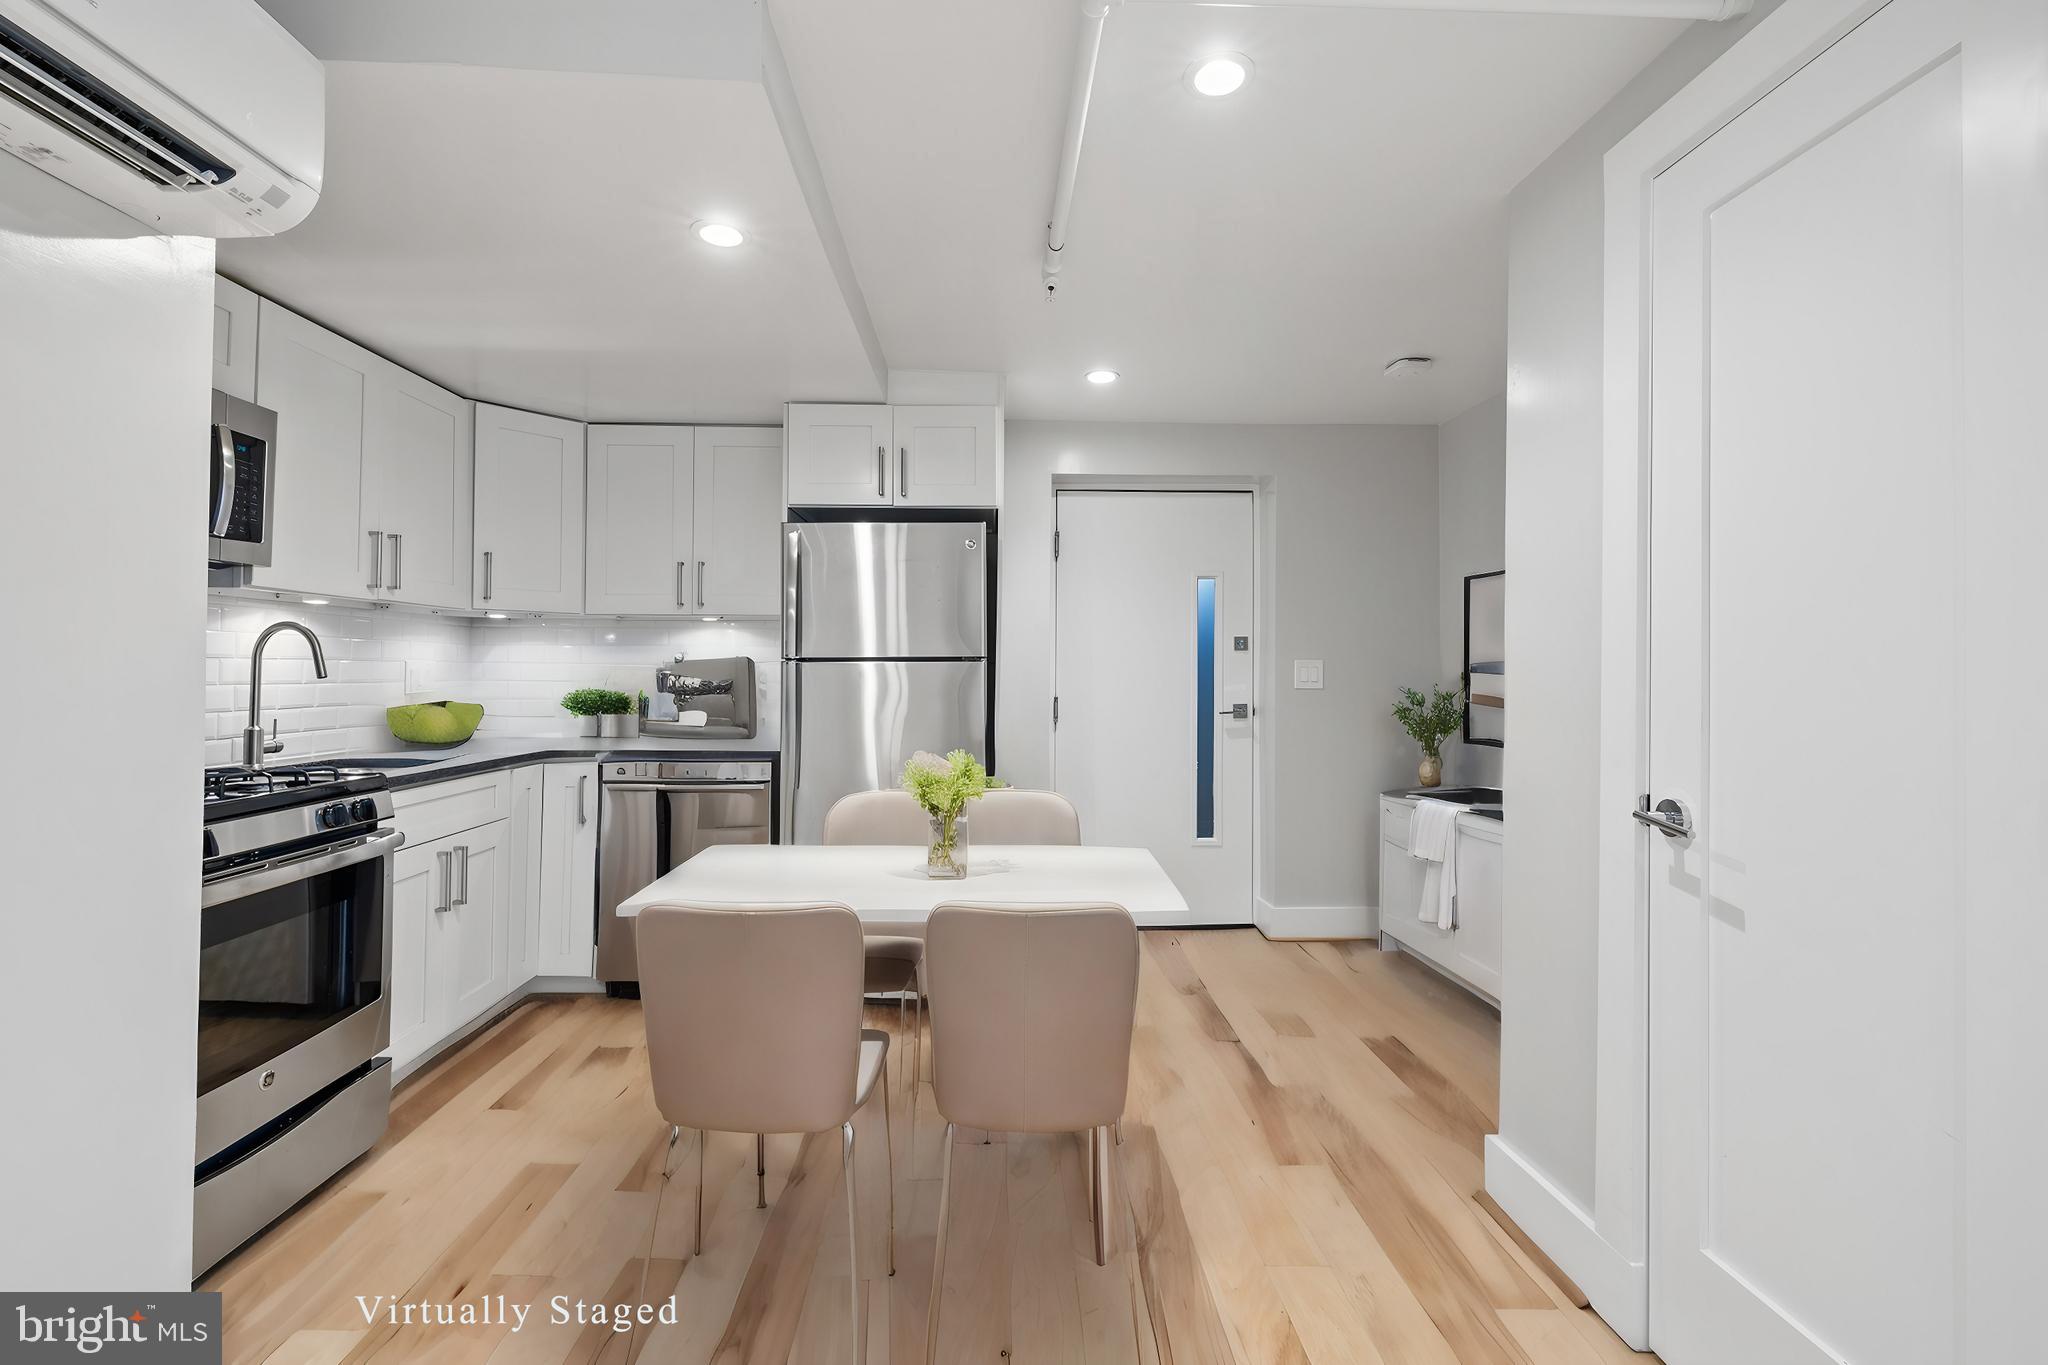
885 646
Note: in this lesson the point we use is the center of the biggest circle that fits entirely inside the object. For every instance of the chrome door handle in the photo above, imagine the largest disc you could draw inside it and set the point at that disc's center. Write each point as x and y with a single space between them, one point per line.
1240 711
376 560
583 799
700 585
902 468
882 472
682 594
463 897
397 543
1671 819
446 858
224 504
487 575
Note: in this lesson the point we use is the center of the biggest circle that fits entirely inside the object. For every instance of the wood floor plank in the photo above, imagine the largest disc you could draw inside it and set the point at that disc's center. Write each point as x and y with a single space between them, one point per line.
1297 1186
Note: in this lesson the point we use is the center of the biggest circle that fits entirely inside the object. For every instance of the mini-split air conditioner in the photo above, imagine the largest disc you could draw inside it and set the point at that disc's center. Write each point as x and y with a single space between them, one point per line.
199 118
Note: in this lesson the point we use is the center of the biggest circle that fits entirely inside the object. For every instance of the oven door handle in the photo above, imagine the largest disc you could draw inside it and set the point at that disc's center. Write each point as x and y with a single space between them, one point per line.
267 876
681 789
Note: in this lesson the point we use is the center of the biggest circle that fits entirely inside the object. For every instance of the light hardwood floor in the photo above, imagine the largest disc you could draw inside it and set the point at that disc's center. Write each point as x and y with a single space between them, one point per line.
1296 1187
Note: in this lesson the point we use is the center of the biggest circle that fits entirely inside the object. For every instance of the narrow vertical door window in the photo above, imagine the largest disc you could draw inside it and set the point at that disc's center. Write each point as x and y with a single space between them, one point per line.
1205 708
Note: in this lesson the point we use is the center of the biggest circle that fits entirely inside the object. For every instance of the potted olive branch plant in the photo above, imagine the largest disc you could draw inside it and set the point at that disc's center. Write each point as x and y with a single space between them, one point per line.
1429 722
944 786
603 711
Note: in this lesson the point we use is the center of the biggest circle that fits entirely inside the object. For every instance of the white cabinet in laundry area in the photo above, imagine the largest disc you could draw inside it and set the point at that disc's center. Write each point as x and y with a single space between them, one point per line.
1469 951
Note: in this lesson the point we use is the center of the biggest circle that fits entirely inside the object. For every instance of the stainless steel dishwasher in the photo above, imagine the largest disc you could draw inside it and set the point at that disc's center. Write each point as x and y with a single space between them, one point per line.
653 816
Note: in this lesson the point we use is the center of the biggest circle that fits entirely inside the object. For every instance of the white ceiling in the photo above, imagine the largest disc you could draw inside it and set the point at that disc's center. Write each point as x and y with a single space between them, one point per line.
1254 258
520 235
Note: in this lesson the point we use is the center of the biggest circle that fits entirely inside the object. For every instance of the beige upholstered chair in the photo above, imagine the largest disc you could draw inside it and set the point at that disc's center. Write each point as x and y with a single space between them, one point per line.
1032 1009
753 1017
1010 815
878 817
893 960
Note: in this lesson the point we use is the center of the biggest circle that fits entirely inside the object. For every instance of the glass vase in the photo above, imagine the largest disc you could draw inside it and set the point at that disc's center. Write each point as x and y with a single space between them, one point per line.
946 858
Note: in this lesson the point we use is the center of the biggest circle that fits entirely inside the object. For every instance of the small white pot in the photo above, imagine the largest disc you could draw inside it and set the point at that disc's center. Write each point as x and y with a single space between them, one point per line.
619 727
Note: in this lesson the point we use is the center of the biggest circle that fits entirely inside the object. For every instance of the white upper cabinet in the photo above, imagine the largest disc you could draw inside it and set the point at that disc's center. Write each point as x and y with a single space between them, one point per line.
318 384
839 454
949 456
417 476
234 339
529 512
642 521
739 521
684 520
876 455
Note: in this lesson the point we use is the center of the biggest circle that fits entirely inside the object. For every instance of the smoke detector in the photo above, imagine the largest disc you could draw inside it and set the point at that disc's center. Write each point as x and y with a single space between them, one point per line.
1409 367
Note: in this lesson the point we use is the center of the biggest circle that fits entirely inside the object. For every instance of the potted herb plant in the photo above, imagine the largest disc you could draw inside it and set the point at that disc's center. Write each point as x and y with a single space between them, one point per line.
1429 722
944 786
602 711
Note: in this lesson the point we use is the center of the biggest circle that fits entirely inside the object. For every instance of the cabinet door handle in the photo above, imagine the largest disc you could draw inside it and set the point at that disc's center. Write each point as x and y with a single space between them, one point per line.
682 593
397 560
376 560
700 585
446 858
583 799
882 472
487 575
902 469
462 897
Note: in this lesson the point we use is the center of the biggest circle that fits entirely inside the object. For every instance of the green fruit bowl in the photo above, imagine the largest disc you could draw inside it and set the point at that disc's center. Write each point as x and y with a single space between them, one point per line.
434 722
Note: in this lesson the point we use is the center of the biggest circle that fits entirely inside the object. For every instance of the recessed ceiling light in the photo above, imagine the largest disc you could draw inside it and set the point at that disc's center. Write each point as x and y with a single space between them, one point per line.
314 601
1102 376
718 234
1223 74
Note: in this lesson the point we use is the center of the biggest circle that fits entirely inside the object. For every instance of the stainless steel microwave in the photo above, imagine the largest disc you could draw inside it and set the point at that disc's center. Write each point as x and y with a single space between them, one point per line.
241 455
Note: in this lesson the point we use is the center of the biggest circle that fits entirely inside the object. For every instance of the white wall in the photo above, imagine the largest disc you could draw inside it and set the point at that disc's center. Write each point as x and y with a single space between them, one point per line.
1554 444
1349 532
1471 518
105 358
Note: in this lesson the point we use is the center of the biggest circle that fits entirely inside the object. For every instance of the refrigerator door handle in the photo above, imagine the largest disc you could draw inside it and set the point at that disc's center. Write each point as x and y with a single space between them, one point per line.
792 591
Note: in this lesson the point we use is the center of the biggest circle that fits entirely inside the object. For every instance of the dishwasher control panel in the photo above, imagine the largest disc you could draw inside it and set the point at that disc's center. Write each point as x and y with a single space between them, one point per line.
652 770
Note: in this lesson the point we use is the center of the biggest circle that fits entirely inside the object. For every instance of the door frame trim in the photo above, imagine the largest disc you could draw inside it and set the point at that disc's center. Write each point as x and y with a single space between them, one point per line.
1613 1264
1264 612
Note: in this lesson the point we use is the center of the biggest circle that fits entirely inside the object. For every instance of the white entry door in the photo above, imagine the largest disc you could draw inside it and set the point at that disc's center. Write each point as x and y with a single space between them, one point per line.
1807 698
1153 593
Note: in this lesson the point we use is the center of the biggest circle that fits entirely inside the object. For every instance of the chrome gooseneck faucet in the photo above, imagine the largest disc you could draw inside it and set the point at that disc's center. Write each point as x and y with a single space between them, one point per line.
255 744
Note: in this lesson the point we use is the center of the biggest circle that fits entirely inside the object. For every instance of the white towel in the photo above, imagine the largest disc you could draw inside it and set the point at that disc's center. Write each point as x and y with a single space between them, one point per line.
1431 838
692 717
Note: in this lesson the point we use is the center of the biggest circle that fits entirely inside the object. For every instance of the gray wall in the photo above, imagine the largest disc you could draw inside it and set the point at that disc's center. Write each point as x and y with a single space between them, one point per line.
1555 249
1471 502
1349 576
106 356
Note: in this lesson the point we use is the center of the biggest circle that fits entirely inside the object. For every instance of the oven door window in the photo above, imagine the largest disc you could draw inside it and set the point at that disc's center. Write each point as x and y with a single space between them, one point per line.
280 966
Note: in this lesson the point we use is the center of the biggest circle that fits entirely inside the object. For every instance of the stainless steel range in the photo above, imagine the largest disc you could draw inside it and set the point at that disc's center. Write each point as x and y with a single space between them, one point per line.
294 970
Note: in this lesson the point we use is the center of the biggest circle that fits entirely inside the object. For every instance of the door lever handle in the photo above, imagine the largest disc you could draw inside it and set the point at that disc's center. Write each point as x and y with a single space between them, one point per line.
1241 711
1670 818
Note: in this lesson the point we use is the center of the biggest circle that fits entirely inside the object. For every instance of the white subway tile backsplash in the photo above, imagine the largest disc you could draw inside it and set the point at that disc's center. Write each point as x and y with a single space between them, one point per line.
517 670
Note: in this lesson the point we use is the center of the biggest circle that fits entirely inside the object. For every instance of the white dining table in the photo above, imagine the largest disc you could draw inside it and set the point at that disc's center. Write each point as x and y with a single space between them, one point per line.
886 884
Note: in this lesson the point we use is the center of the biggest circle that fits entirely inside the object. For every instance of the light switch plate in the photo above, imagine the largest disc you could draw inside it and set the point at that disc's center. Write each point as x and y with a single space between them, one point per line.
1308 673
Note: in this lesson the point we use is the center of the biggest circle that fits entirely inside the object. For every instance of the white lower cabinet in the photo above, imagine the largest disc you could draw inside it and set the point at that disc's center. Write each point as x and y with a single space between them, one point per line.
1468 952
496 885
568 870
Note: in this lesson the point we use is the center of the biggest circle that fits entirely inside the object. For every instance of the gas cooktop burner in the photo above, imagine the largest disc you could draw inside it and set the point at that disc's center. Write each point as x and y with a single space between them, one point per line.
225 783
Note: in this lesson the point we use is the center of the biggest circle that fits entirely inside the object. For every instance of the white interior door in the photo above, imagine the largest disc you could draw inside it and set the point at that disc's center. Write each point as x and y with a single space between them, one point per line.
1152 592
1806 695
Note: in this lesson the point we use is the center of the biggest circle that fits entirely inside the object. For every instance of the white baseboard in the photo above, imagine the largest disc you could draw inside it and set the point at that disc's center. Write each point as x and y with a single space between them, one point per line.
1315 921
1618 1288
